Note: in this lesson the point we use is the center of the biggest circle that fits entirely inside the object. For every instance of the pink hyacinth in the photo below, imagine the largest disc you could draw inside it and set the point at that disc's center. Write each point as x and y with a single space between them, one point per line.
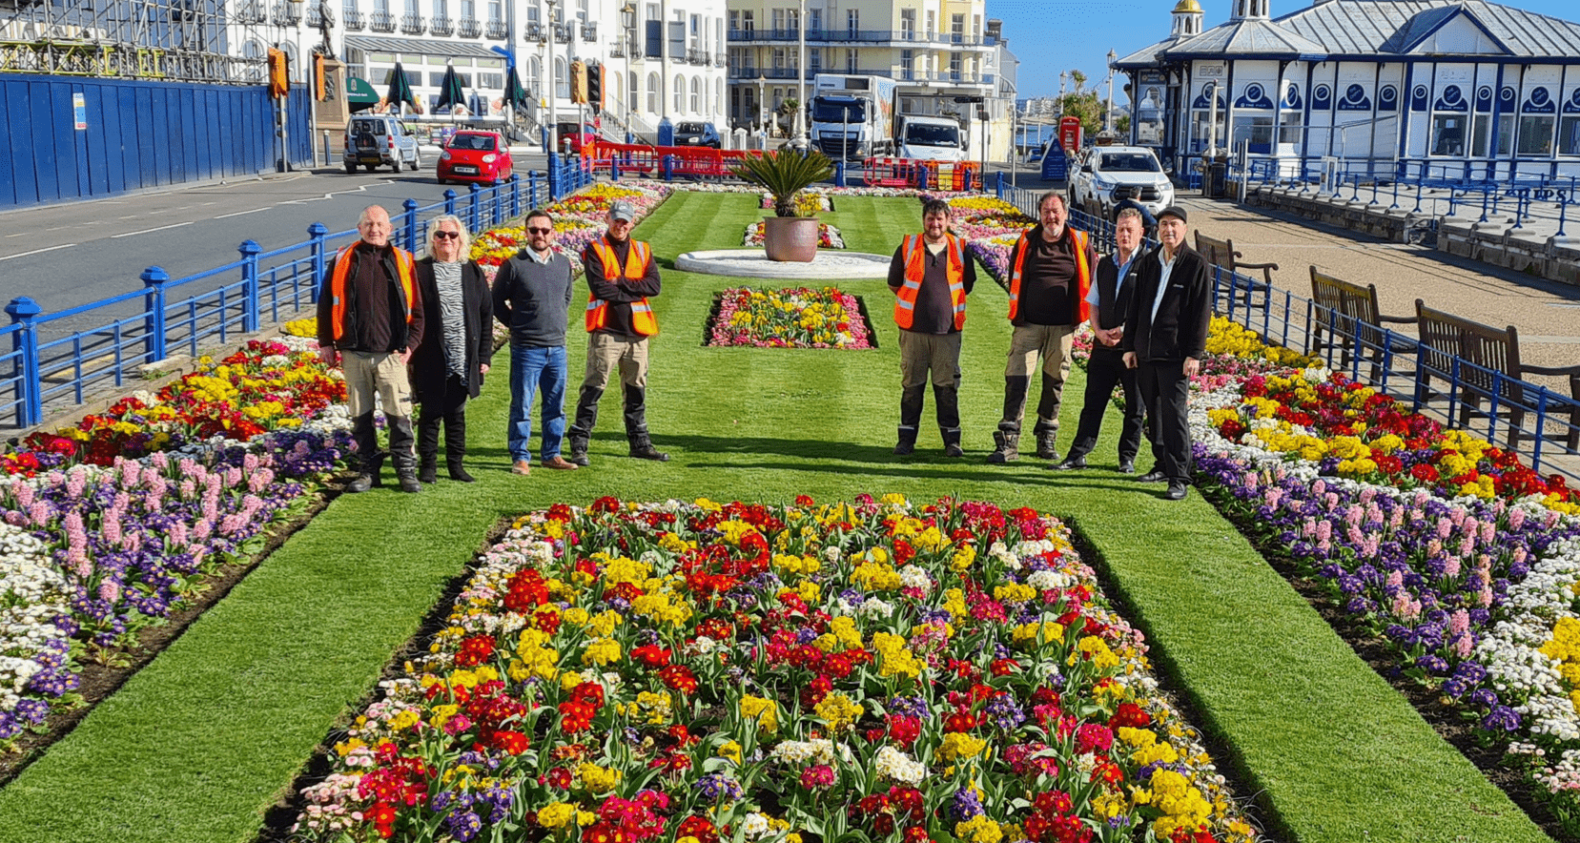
1458 622
232 477
75 482
110 528
1464 645
1489 531
1451 567
202 529
187 489
1250 480
23 494
1367 495
110 591
1445 528
1396 520
1458 516
1331 501
1395 580
38 513
131 472
1484 597
249 463
1406 608
177 537
1352 516
1324 530
1319 487
160 461
1516 519
1467 544
1272 497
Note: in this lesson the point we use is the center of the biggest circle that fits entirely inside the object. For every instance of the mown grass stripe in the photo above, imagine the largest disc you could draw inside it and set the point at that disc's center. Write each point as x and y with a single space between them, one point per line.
202 741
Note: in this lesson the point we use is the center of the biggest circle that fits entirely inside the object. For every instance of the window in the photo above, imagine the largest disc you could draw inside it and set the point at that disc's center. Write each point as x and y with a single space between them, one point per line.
932 24
680 92
954 66
1536 135
440 9
852 23
908 24
1290 131
411 8
1257 130
469 9
814 23
851 56
735 20
1569 135
779 20
814 57
630 82
535 80
746 22
562 88
957 28
652 92
696 95
349 6
907 65
534 14
495 11
1448 135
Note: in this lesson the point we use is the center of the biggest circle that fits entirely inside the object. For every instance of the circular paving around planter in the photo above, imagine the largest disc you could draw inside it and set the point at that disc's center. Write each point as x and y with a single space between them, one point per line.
754 263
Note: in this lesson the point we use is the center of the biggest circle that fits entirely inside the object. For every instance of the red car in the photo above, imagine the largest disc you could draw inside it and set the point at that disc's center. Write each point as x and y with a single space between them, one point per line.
475 156
576 135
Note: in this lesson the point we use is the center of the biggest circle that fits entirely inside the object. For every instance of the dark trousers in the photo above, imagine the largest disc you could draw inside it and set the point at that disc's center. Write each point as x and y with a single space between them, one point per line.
448 409
1165 391
1105 371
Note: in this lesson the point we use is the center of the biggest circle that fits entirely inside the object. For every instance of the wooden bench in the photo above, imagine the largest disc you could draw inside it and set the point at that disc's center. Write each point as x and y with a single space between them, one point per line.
1348 315
1222 253
1493 351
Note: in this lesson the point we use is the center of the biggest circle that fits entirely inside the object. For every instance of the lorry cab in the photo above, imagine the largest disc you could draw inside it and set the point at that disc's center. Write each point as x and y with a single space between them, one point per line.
932 139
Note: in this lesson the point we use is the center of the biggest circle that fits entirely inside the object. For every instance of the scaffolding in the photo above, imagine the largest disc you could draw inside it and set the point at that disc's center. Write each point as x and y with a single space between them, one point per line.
213 41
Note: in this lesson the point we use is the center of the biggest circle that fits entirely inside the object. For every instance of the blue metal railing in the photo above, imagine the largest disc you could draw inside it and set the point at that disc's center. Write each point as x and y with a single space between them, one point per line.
51 363
1538 422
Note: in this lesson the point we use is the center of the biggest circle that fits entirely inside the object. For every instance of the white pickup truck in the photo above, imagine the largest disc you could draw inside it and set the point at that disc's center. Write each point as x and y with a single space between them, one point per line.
931 139
1112 174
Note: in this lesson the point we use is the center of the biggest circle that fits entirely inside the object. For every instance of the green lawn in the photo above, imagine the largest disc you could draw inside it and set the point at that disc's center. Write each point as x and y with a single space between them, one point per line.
200 743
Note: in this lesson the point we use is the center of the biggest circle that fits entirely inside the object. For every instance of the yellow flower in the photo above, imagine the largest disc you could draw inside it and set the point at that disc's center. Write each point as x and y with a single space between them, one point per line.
838 710
598 779
556 814
764 710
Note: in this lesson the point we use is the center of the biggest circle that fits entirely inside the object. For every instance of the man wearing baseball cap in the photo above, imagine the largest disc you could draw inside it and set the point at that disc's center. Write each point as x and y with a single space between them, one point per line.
1164 340
621 276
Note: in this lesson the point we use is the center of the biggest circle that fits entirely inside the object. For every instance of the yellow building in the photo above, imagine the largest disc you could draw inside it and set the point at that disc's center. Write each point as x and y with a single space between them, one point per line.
938 50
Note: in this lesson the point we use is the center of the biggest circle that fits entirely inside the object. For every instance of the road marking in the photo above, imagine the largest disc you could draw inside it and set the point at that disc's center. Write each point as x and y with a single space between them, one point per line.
38 251
240 213
149 230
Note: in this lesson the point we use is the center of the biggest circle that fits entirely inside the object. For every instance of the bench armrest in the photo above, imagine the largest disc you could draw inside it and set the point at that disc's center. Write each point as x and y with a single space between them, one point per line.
1402 320
1551 370
1238 265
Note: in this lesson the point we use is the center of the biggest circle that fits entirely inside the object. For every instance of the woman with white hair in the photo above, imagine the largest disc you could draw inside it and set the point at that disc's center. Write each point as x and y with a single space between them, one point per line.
448 367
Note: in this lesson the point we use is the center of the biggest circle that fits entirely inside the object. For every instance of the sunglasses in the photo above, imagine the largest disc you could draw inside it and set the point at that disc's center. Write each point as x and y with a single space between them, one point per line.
447 235
540 231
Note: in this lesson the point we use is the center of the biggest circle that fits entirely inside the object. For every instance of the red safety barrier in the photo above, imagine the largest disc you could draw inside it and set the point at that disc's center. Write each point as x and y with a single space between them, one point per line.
953 175
889 172
632 157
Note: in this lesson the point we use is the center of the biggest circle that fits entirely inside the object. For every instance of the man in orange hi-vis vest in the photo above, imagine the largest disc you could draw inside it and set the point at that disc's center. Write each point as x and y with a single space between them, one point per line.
931 275
621 277
1050 274
370 320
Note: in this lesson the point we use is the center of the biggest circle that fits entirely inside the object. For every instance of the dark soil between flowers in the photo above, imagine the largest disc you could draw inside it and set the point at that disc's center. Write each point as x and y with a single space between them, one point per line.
1253 804
99 681
1445 719
283 814
718 304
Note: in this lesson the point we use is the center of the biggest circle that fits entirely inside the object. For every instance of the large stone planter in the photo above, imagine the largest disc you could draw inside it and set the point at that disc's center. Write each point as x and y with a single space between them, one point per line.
790 238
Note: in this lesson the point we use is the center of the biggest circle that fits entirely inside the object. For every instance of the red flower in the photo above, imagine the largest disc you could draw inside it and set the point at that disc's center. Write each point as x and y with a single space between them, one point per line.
475 650
509 742
680 678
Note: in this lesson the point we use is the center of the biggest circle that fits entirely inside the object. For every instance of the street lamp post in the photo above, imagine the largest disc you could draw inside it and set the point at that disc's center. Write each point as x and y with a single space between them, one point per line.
553 86
800 72
1108 122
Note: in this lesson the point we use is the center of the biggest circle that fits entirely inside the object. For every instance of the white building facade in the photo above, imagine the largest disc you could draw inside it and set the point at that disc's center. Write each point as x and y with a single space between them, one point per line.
1465 88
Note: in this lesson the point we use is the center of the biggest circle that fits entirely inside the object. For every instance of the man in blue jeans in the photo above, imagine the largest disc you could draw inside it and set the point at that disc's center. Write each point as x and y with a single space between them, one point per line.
532 296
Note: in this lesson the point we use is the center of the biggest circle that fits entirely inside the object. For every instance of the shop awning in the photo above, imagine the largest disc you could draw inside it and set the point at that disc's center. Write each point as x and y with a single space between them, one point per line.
419 46
360 93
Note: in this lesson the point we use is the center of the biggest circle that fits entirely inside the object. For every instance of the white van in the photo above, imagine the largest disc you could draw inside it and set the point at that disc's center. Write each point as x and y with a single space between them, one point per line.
932 139
378 140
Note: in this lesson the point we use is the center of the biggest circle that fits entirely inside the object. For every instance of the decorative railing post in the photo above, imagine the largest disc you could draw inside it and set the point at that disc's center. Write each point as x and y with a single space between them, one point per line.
1000 187
614 168
515 196
249 285
29 381
497 195
532 189
669 168
473 209
411 224
155 279
554 176
449 201
839 173
317 232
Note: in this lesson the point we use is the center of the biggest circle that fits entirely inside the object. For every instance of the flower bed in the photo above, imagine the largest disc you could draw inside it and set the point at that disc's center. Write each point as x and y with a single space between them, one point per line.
111 525
578 220
809 202
1460 561
699 673
828 237
792 317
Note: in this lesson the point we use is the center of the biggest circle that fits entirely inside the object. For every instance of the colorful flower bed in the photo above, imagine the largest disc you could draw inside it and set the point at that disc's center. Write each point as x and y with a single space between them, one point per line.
792 317
109 526
698 673
578 220
1462 561
828 237
808 203
990 227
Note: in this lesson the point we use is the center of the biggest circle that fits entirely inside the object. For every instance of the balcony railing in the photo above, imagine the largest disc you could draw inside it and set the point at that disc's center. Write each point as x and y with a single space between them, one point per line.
862 36
355 21
744 73
381 22
442 26
562 34
617 50
413 24
590 31
696 57
315 18
287 14
720 60
252 13
469 28
497 30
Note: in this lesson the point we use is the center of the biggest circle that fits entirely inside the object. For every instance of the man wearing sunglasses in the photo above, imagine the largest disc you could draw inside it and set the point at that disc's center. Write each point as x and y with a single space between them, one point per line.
370 318
621 276
532 297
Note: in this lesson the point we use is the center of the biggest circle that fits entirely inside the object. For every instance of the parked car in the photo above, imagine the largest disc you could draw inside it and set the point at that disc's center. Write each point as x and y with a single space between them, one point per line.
1111 174
378 140
697 134
577 134
475 156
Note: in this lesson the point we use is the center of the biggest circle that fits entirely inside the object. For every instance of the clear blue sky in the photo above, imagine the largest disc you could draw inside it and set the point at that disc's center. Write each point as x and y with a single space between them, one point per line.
1049 36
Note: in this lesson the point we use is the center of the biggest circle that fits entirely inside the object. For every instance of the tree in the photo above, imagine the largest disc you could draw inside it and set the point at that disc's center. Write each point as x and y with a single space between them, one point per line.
1088 108
1122 125
1079 79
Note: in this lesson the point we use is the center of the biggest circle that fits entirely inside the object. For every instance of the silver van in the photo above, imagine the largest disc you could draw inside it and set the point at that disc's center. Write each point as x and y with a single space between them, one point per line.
375 140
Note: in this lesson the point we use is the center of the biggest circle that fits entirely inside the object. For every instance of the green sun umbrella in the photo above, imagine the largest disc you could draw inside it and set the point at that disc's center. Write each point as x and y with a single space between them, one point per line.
450 92
515 93
400 88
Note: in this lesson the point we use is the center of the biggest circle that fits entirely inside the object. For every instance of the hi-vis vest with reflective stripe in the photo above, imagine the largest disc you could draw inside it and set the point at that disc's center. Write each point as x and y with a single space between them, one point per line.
1083 274
913 252
404 264
636 262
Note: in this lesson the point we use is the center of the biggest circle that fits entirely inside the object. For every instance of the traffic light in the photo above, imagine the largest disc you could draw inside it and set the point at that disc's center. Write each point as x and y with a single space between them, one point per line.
320 87
279 74
579 82
595 85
